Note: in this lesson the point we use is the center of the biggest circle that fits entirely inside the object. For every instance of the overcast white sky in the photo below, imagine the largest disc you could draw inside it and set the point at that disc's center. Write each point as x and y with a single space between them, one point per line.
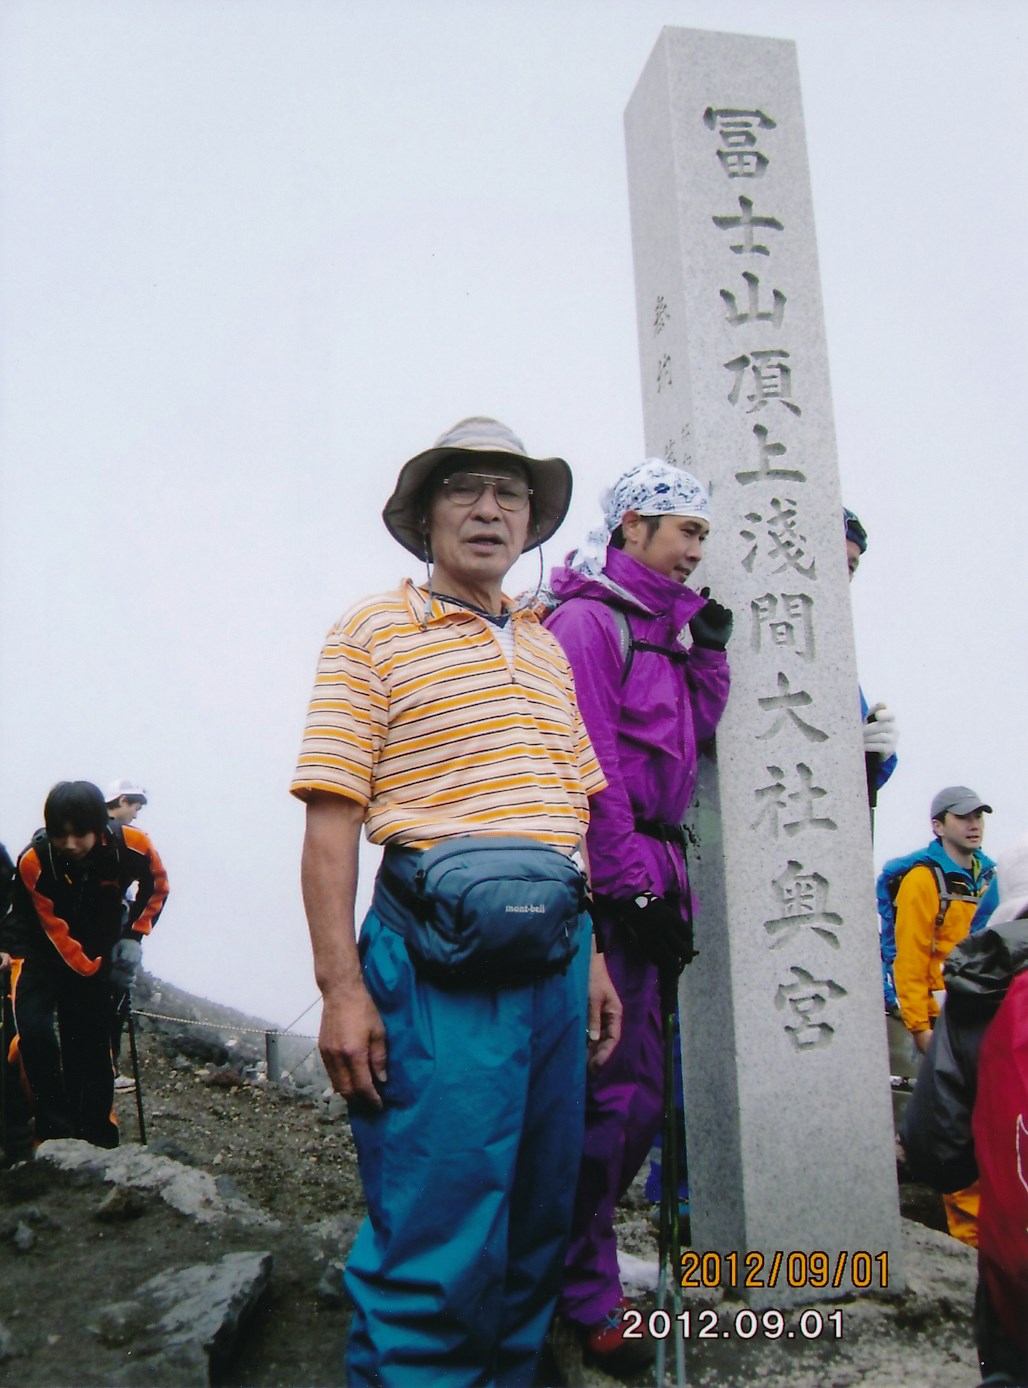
255 255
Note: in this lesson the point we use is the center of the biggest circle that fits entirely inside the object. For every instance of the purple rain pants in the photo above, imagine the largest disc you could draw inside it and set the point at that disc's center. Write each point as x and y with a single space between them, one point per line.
624 1105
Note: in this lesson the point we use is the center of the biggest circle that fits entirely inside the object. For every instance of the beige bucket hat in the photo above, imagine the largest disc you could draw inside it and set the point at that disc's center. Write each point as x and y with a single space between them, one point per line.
479 437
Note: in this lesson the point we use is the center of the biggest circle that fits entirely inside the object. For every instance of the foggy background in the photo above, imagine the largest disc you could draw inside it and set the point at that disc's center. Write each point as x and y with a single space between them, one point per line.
255 255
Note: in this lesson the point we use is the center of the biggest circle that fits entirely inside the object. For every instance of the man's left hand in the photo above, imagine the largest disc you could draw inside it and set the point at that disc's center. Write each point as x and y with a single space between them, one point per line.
604 1014
711 628
125 957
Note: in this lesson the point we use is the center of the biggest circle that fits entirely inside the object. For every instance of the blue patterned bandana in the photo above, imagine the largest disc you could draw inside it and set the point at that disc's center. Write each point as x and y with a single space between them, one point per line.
654 488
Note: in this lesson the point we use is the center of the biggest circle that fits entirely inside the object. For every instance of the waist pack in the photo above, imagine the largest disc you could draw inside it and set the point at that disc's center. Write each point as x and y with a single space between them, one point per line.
491 912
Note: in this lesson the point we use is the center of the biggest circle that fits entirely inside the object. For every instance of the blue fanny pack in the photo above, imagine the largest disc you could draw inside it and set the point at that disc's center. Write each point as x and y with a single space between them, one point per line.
486 912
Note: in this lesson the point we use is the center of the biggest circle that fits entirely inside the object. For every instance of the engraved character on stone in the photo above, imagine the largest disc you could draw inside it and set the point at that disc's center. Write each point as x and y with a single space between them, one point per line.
746 222
787 541
785 703
807 999
803 903
772 380
787 618
753 313
736 128
801 802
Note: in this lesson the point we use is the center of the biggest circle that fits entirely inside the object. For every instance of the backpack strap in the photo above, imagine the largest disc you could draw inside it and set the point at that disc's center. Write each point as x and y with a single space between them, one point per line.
630 644
947 892
942 887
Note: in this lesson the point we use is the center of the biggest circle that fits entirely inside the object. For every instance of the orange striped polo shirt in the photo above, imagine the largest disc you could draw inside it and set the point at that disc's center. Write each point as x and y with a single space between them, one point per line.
428 726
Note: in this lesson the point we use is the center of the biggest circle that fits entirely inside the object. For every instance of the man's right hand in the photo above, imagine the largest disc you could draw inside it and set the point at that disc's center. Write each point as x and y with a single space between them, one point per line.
922 1040
352 1042
352 1038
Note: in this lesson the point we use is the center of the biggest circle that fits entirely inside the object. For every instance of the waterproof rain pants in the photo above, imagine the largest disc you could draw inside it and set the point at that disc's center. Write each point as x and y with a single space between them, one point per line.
64 1025
624 1110
469 1174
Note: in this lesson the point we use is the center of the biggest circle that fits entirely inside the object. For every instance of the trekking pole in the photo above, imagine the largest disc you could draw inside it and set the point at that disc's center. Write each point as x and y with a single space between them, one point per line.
126 1011
669 1241
5 993
872 762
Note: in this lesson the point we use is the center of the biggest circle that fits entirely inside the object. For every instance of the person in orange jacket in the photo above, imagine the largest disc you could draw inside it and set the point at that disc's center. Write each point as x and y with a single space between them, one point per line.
79 944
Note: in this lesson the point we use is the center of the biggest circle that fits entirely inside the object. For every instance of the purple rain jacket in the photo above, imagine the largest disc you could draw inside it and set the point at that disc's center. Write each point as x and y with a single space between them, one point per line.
645 730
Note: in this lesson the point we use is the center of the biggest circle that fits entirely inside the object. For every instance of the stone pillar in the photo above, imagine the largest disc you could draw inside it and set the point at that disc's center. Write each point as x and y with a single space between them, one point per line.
787 1082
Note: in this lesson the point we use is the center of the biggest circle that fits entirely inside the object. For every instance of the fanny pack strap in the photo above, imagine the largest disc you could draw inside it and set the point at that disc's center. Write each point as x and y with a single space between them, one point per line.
393 900
666 833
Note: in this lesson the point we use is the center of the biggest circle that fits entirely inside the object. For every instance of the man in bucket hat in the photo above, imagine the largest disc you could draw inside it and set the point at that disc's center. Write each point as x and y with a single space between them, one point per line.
443 720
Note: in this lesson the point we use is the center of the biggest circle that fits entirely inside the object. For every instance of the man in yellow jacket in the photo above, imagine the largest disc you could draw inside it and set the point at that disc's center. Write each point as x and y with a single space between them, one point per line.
928 928
923 941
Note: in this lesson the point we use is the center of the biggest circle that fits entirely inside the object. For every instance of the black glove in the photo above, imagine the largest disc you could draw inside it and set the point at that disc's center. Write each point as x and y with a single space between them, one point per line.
125 958
658 931
712 625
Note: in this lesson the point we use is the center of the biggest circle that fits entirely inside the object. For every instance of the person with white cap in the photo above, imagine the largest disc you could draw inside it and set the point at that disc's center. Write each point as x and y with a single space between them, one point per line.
968 1117
125 798
648 700
444 722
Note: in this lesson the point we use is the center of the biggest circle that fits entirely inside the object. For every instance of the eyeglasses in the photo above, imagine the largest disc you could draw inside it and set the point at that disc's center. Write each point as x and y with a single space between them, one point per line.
465 488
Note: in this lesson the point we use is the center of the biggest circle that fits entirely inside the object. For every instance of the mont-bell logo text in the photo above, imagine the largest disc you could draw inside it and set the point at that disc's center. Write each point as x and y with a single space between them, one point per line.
526 910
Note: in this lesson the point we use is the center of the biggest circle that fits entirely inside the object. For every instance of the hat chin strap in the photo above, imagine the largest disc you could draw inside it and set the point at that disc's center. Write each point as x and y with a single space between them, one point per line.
539 551
428 581
429 593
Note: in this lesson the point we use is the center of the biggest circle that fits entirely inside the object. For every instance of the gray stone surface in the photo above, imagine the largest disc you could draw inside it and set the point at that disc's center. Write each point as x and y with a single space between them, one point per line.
191 1192
23 1238
208 1304
182 1327
787 1095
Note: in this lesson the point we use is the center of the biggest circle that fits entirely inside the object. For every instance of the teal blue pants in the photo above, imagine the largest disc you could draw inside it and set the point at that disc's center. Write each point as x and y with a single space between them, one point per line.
469 1172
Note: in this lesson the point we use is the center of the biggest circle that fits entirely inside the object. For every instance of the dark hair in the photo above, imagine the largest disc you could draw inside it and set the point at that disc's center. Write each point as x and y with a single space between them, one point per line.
78 803
617 535
854 529
132 800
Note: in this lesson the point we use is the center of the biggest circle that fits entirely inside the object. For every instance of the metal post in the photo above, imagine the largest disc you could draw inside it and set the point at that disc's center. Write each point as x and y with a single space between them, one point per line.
271 1051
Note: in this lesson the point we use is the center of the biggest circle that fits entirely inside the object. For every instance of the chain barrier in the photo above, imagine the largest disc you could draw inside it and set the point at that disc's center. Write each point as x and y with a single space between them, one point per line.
222 1026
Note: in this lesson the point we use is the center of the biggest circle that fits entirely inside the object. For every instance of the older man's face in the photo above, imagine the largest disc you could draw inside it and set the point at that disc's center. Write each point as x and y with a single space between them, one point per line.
475 539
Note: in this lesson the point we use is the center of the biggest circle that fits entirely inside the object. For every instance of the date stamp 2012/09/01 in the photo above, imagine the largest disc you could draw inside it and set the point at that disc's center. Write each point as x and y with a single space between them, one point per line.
742 1324
817 1271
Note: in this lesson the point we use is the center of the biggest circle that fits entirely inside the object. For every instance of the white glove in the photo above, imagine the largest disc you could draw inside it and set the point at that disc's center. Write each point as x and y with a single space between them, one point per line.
881 734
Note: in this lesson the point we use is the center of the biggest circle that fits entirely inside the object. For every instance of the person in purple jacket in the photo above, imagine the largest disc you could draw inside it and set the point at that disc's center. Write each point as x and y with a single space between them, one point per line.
648 700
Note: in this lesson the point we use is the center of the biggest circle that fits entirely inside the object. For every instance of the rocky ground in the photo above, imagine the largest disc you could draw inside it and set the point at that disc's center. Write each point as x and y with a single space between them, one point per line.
242 1206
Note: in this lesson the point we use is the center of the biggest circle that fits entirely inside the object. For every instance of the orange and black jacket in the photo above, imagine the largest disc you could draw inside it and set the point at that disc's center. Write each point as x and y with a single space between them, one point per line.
75 912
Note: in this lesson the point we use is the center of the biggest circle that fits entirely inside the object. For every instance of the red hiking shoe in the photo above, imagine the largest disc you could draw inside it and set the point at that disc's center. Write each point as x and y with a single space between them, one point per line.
618 1347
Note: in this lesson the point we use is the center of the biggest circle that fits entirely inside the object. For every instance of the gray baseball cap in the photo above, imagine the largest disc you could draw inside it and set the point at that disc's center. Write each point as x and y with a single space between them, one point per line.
958 800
